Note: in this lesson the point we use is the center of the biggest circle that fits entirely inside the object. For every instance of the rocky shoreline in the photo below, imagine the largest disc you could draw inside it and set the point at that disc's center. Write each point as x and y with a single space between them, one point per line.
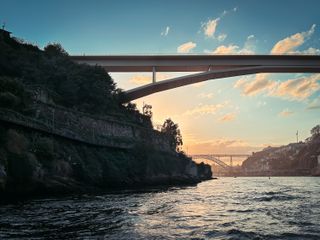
37 164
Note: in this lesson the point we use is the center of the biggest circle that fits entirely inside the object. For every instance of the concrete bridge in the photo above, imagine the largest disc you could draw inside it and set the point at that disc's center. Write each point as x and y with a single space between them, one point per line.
208 67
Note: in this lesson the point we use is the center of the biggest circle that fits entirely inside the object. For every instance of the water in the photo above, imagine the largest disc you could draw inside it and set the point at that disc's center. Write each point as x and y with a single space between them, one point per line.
227 208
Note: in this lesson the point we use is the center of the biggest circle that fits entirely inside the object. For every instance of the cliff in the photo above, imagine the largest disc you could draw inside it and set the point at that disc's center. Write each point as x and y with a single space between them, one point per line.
35 163
63 129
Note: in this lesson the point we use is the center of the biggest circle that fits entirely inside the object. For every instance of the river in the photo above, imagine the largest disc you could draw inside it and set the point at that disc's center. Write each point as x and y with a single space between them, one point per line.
226 208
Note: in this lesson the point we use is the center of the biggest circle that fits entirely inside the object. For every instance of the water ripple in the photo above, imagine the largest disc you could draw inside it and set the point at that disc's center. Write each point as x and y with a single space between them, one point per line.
227 208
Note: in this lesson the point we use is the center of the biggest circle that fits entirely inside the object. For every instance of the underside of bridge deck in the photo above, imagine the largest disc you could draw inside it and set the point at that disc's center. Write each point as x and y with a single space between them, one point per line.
210 67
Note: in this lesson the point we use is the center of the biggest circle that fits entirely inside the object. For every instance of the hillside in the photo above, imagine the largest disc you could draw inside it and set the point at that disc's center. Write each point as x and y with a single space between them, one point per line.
63 129
301 158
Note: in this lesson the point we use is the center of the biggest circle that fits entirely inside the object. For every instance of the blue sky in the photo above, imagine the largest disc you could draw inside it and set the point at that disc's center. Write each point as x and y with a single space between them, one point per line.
234 114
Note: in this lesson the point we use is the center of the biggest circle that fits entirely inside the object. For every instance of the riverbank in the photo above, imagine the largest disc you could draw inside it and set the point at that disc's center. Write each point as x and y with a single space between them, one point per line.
34 163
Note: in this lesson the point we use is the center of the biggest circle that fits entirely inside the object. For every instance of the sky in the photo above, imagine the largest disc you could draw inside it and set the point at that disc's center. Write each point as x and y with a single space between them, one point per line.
231 115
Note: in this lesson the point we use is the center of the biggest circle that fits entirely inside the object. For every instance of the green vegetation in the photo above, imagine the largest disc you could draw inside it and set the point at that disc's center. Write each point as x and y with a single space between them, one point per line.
24 67
172 130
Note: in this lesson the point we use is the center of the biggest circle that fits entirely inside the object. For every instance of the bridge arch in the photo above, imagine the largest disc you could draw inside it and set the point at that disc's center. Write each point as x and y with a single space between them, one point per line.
213 159
210 67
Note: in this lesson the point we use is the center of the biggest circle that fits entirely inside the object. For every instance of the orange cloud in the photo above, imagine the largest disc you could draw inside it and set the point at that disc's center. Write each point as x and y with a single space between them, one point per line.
230 49
253 87
297 89
228 117
293 89
248 48
285 113
205 109
209 27
289 44
140 79
220 146
186 47
144 79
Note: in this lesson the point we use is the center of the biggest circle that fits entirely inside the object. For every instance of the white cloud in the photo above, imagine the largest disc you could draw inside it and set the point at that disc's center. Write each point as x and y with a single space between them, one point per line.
309 51
221 37
314 104
225 12
261 104
209 28
250 37
249 46
186 47
166 31
291 43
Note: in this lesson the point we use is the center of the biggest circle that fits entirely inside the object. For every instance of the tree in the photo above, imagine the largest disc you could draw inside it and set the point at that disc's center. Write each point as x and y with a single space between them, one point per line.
147 110
315 131
131 107
55 49
172 130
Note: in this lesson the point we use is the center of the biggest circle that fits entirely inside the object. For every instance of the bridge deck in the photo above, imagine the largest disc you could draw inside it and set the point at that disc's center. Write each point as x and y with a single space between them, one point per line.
192 63
210 66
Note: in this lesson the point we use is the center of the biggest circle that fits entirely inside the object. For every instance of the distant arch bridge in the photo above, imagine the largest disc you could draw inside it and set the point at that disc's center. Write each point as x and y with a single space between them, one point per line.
207 67
216 158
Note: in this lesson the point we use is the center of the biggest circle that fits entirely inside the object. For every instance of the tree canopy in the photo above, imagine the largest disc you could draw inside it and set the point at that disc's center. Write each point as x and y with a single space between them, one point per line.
172 130
77 86
315 131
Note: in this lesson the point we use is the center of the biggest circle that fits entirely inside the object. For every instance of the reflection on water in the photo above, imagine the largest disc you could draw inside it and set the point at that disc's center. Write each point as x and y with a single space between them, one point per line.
227 208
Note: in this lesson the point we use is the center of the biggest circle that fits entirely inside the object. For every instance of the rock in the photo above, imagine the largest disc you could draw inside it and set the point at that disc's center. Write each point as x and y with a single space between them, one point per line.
64 166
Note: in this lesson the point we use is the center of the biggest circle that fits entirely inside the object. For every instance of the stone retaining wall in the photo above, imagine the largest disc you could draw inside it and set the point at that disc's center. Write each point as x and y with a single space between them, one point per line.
85 128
